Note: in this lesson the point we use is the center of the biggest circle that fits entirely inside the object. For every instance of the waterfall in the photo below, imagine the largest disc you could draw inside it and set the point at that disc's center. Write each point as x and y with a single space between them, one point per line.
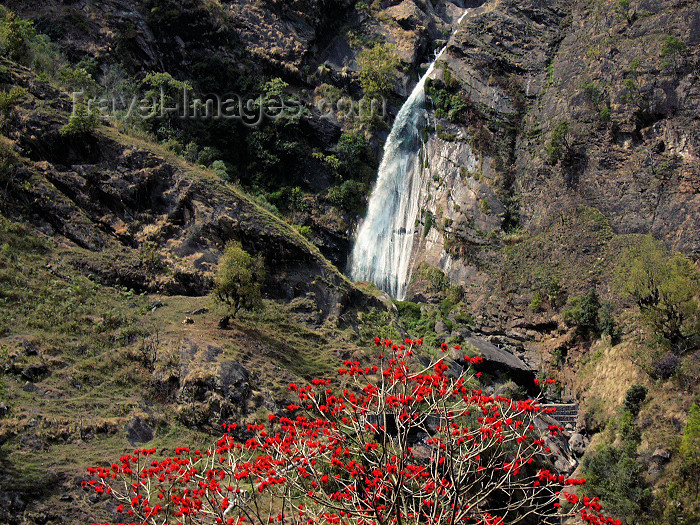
382 250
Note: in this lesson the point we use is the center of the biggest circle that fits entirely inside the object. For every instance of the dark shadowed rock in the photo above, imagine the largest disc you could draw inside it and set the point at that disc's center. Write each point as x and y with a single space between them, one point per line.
30 387
233 381
199 311
138 431
35 373
497 360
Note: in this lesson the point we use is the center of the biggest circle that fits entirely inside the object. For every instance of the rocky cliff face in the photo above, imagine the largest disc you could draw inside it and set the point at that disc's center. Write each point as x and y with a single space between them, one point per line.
627 142
149 221
630 144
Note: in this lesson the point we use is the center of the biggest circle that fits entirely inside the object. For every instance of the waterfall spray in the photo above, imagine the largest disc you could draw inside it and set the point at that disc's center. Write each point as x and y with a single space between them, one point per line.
382 250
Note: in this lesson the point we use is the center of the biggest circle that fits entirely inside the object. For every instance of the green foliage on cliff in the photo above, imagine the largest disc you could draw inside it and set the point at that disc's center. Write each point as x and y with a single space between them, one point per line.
450 102
673 50
21 43
558 142
82 122
357 160
591 317
689 485
435 276
664 287
378 69
634 397
350 196
582 313
9 99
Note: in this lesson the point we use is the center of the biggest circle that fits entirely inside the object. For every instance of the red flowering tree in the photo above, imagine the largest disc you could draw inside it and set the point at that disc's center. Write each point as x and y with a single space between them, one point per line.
402 441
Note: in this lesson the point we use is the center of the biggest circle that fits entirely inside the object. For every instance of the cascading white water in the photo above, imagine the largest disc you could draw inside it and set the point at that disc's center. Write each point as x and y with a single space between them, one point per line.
382 251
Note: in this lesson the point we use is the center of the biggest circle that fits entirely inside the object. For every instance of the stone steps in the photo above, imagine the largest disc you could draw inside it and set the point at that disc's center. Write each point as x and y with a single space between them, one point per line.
566 413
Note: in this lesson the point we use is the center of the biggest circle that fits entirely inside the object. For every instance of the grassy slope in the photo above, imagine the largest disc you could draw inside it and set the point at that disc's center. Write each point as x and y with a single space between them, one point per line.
87 337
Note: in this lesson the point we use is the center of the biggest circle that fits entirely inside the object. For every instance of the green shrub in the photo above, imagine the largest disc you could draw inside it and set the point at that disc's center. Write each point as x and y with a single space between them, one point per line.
378 69
673 49
679 503
634 397
14 38
537 302
613 473
350 196
408 311
208 155
167 92
690 448
436 278
331 161
191 152
10 99
8 158
557 142
290 198
353 147
428 222
453 296
329 93
305 231
592 93
582 313
20 42
449 101
220 169
174 145
484 206
607 324
81 122
76 79
362 7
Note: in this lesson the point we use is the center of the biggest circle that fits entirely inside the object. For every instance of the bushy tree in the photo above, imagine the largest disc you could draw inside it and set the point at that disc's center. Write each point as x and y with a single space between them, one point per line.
22 43
355 156
634 397
612 470
349 196
83 121
582 313
615 475
165 93
14 37
665 288
679 503
378 69
674 50
239 279
400 441
559 144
